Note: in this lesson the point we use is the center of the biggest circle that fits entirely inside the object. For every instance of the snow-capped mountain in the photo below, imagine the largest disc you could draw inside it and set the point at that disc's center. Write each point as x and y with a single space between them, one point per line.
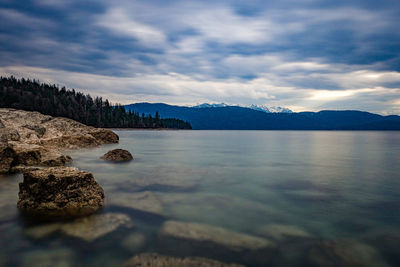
254 107
270 109
207 105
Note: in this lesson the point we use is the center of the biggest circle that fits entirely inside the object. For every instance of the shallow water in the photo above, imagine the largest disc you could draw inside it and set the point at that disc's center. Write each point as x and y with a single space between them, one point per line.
297 189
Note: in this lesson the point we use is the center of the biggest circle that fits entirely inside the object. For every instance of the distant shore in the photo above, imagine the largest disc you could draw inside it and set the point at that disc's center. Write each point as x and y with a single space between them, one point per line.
150 129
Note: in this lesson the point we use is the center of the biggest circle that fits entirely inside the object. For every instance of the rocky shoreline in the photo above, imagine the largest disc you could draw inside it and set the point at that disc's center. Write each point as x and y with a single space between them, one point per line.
32 143
32 139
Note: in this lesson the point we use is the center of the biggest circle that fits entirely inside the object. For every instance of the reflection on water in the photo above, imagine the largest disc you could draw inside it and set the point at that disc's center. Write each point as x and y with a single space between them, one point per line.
283 198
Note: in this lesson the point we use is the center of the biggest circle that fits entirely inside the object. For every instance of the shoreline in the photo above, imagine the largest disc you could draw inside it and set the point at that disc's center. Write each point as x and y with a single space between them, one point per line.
148 129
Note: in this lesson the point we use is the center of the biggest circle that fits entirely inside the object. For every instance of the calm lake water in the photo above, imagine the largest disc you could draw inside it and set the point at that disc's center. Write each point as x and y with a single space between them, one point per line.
317 196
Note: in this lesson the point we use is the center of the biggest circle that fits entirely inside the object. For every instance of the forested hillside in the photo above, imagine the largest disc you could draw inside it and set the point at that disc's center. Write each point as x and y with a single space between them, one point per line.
242 118
51 100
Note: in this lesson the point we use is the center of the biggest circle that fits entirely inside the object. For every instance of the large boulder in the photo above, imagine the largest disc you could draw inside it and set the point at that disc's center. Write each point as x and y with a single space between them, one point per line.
153 259
59 193
117 155
54 132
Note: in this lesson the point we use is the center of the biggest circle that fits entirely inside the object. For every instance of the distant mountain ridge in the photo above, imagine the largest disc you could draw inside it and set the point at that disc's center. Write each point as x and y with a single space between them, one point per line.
255 107
243 118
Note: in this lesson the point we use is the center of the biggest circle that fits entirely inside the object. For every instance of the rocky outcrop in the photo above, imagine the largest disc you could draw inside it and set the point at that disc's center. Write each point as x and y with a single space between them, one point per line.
59 193
117 155
33 139
36 128
153 259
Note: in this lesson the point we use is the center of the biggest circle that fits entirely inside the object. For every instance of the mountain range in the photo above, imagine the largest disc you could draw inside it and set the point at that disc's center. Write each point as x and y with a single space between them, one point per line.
255 107
245 118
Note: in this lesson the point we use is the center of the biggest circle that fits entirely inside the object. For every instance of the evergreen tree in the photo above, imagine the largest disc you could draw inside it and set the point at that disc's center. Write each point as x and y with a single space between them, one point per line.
51 100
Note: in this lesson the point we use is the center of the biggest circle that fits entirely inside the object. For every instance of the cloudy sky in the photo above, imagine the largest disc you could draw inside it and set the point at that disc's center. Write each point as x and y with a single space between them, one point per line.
300 54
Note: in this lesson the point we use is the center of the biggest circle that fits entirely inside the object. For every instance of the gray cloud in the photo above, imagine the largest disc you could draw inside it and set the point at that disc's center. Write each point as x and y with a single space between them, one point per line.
303 54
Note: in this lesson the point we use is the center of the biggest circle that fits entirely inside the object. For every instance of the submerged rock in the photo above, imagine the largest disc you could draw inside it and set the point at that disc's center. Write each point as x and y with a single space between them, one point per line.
142 201
387 241
134 241
117 155
219 236
42 231
88 228
96 226
153 259
344 252
281 232
57 257
59 193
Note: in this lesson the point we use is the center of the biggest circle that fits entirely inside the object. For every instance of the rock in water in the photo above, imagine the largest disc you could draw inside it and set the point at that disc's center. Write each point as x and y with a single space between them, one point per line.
59 193
153 259
117 155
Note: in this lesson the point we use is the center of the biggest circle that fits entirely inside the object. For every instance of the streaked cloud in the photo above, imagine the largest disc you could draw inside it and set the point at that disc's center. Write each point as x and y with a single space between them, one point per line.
305 55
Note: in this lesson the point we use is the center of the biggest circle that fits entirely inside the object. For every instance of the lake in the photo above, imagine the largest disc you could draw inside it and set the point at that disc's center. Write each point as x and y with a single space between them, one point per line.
312 197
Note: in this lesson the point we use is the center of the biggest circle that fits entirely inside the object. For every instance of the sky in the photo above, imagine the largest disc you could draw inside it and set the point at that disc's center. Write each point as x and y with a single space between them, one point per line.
300 54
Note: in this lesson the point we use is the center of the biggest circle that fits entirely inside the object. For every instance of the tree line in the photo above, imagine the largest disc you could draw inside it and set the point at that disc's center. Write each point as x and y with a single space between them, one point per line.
51 100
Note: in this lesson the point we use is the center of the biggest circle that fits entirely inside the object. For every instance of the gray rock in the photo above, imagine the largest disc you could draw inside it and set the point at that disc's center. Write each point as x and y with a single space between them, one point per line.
117 155
157 260
59 193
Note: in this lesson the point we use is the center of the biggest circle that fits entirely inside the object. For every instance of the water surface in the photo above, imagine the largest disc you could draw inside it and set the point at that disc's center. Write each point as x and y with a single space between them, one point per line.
296 188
